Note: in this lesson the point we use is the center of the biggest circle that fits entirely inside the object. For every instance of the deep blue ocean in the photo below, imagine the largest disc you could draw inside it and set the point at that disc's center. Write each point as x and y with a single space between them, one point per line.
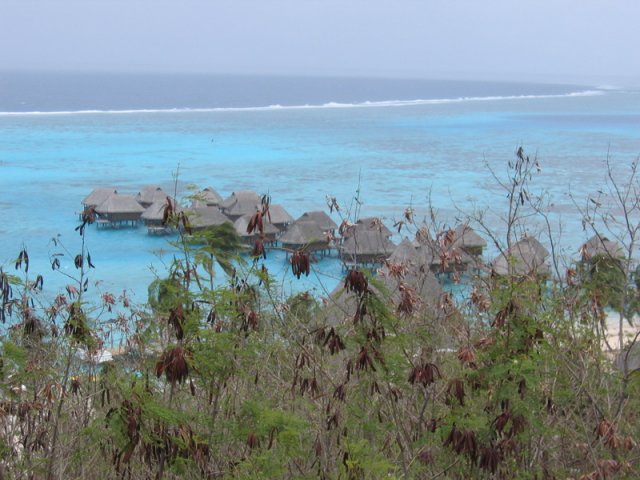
399 142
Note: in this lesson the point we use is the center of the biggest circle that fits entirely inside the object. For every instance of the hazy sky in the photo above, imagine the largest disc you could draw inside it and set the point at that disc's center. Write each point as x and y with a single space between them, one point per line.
566 40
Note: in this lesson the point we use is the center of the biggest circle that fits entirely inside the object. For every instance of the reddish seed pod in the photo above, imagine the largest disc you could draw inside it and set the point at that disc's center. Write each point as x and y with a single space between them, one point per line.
355 281
300 263
173 363
424 373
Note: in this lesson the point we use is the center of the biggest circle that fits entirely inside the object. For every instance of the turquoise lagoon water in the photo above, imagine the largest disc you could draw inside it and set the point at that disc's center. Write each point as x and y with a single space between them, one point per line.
395 153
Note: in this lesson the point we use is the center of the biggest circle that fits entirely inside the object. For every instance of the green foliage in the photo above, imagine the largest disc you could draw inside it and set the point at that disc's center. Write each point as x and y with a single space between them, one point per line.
513 385
604 277
220 243
13 356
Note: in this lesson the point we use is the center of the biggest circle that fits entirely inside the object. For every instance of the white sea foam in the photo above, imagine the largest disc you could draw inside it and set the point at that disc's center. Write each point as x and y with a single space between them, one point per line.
329 105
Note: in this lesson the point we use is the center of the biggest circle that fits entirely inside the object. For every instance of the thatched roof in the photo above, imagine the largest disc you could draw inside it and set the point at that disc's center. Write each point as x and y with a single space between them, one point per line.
342 305
206 217
423 281
207 197
407 252
526 256
301 233
278 215
118 204
453 257
598 245
241 227
98 195
367 243
241 203
155 211
466 237
150 194
323 220
631 355
369 224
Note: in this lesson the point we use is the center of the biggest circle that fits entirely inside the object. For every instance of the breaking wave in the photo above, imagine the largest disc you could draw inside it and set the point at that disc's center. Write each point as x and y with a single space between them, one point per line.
328 105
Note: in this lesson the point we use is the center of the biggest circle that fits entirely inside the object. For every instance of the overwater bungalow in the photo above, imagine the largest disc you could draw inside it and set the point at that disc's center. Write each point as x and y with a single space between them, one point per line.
468 240
97 196
270 231
154 215
151 194
279 217
203 218
368 224
241 203
366 247
599 246
323 220
454 251
524 258
119 210
207 197
305 235
423 283
415 292
411 253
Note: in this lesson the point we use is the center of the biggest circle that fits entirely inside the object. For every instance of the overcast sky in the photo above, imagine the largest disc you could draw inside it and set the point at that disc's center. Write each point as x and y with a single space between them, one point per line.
554 40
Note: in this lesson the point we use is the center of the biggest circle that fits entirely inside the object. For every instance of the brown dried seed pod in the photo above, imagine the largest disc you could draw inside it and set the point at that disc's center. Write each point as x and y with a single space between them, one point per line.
173 363
467 355
604 428
424 373
300 263
408 299
490 457
355 281
258 249
176 320
252 440
456 390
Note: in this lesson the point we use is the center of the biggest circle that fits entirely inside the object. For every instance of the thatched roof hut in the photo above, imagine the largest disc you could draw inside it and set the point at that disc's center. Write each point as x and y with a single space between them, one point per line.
366 246
323 220
468 240
601 246
241 203
280 218
97 196
151 194
304 235
201 218
207 197
410 253
270 231
630 355
421 285
120 208
154 213
523 258
368 224
452 259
